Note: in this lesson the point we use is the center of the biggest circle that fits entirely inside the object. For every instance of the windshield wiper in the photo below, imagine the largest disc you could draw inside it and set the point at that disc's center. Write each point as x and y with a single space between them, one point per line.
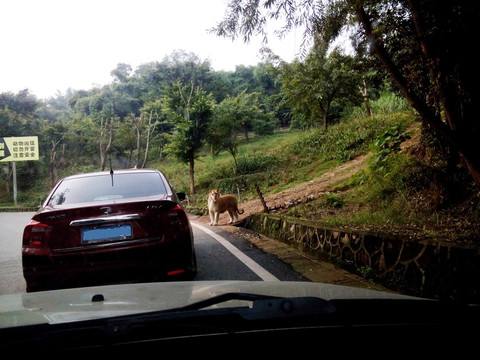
224 298
267 307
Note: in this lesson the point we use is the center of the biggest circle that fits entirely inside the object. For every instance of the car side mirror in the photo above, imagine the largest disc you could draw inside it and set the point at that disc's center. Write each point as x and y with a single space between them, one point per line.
181 196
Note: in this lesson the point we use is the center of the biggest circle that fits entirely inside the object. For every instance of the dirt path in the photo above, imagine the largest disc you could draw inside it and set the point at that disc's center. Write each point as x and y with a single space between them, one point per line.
309 190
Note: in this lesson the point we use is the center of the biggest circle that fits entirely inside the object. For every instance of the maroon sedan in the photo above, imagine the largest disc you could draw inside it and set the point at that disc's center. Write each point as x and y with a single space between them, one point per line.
108 227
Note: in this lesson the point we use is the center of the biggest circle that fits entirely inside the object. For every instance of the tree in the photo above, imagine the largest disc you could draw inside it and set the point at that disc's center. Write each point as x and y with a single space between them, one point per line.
250 115
243 112
55 161
312 86
137 122
160 127
224 128
125 141
420 43
180 66
121 73
22 103
18 114
53 133
366 98
142 129
148 136
106 129
190 109
107 101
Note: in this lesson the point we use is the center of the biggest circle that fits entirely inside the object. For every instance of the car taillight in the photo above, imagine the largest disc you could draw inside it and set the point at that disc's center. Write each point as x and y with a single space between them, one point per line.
174 212
176 208
36 233
174 223
176 272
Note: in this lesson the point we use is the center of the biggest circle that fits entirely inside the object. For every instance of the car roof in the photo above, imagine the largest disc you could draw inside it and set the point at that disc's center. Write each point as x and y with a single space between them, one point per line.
103 173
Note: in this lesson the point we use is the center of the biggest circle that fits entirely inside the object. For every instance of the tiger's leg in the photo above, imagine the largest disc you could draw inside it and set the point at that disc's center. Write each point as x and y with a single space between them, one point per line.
211 217
231 215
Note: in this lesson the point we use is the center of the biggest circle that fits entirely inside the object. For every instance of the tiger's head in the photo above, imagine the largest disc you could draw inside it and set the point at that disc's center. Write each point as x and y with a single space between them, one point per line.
214 195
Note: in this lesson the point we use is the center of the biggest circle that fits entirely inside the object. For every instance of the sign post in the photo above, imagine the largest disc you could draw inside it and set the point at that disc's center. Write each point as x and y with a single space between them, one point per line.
15 149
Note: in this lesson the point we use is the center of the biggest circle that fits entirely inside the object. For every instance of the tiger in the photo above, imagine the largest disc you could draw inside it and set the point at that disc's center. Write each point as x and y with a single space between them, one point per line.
218 204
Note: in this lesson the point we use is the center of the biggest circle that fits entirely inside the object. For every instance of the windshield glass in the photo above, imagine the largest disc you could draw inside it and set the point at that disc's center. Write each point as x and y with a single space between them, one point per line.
255 145
107 187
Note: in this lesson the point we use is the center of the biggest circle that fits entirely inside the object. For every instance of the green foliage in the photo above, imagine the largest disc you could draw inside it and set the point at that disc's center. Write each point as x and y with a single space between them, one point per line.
251 164
250 168
346 140
189 108
234 115
333 200
265 125
387 103
17 114
311 88
387 145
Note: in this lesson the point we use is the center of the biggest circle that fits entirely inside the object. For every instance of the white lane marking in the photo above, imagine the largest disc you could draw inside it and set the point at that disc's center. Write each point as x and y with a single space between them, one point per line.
257 269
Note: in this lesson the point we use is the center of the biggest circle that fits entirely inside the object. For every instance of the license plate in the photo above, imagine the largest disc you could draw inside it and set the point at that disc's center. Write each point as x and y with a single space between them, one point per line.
106 233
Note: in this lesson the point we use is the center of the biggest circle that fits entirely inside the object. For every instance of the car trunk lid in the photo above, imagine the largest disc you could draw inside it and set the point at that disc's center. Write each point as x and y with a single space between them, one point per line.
104 223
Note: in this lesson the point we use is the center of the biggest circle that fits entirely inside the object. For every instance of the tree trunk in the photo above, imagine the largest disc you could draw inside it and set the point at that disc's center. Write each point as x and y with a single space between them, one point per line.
472 167
137 123
246 134
235 162
264 204
147 145
104 152
7 173
192 176
130 155
53 155
100 146
324 112
366 100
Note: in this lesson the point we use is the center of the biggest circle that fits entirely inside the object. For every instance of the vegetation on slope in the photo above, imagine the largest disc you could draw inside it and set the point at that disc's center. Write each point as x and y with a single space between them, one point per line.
407 186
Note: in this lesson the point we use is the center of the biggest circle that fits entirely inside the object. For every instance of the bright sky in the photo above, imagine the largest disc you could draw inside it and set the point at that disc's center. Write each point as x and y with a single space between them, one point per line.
49 46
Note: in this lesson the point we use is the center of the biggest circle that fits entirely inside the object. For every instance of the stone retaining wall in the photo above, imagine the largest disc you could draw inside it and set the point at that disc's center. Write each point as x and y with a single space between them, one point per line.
433 269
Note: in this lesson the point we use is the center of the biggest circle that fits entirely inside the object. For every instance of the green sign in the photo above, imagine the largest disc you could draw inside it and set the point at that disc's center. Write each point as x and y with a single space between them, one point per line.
21 148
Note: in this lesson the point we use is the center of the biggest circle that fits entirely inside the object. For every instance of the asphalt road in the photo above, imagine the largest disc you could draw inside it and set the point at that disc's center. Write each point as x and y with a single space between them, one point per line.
11 229
223 253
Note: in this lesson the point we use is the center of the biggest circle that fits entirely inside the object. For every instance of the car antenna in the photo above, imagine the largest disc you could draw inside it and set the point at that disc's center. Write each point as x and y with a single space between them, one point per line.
111 169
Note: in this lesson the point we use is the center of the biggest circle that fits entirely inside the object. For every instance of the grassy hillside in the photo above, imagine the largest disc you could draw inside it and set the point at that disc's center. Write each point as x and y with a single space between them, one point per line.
282 160
405 187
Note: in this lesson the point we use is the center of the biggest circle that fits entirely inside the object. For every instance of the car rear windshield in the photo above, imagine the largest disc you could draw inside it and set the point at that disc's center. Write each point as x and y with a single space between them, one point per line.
107 187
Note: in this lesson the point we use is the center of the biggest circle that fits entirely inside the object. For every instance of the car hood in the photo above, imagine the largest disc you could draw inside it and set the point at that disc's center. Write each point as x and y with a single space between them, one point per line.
70 305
